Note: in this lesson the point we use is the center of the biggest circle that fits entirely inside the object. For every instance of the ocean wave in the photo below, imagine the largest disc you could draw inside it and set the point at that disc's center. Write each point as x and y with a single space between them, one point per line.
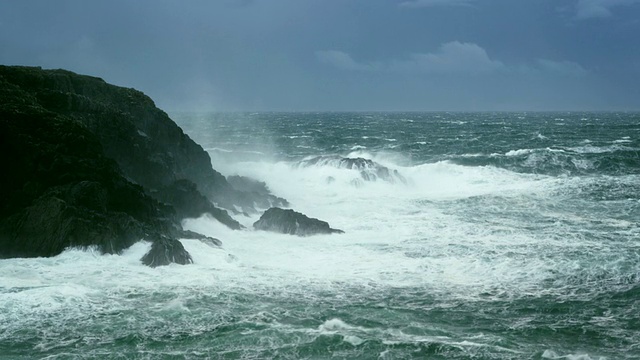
218 149
550 354
521 152
590 149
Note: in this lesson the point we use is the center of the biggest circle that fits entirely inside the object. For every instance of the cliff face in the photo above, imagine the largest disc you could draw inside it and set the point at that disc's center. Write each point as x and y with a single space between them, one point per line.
59 190
88 163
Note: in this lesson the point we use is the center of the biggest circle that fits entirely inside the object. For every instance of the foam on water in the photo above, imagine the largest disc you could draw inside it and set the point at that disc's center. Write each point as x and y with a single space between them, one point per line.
589 149
394 238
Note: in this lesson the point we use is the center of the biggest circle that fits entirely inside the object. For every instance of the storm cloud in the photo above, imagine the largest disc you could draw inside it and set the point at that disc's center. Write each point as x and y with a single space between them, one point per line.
341 55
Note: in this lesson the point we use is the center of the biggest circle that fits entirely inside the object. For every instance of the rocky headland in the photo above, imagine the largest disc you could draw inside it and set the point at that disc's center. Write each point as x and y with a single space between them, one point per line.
86 163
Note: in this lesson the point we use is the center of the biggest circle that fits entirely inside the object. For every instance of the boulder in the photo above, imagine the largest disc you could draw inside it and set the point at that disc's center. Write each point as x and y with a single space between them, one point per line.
166 251
287 221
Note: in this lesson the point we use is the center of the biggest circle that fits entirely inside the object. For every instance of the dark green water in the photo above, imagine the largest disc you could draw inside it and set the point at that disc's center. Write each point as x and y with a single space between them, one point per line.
506 236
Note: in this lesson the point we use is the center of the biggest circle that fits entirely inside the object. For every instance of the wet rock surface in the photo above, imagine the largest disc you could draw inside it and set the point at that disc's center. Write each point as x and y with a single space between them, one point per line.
287 221
369 169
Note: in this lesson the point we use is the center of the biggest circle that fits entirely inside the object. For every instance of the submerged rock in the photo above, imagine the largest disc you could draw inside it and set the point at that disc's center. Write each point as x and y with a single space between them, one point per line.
293 223
369 169
166 251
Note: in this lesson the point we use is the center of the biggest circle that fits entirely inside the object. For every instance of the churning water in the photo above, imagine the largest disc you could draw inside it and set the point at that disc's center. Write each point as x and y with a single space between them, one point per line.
500 236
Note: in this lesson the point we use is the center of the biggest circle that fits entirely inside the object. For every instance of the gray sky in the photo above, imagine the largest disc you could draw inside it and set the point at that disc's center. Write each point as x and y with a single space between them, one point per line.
341 54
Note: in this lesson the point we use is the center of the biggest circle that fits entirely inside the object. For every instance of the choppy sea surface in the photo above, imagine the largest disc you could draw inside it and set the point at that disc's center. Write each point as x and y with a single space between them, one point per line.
503 236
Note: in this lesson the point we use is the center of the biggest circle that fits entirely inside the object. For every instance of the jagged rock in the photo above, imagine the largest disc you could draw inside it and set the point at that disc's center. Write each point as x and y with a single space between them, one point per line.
258 191
188 234
293 223
246 184
369 169
190 203
166 251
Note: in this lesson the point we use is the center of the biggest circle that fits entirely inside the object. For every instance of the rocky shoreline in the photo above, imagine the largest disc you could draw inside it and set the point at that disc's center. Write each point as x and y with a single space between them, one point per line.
87 163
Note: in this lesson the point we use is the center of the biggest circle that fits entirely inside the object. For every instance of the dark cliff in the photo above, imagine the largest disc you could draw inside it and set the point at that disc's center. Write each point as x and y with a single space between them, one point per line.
59 190
89 163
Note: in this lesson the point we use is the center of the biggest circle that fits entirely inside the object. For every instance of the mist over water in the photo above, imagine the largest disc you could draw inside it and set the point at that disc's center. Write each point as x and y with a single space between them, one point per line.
510 236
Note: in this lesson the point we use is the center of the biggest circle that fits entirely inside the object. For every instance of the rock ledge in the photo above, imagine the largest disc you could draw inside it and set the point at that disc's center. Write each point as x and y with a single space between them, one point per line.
293 223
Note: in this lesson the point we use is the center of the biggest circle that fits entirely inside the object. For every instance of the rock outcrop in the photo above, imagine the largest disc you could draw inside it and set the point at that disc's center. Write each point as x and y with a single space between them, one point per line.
293 223
256 191
59 190
166 251
369 170
190 203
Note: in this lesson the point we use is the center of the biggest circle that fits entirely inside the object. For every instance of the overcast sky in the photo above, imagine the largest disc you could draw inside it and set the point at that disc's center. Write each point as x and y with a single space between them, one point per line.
341 54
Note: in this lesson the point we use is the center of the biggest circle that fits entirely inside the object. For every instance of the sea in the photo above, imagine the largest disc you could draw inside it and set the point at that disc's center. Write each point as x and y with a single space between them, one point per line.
495 236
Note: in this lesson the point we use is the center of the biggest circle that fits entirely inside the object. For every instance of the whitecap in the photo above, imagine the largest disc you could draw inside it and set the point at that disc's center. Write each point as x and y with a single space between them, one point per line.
550 354
518 152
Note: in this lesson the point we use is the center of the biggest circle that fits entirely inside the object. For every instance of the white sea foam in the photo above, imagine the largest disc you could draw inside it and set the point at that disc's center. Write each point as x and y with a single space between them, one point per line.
590 149
582 164
531 151
392 238
550 354
397 236
518 152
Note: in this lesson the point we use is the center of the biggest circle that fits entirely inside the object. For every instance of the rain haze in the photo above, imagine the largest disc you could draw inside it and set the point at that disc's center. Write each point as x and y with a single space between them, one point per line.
291 55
